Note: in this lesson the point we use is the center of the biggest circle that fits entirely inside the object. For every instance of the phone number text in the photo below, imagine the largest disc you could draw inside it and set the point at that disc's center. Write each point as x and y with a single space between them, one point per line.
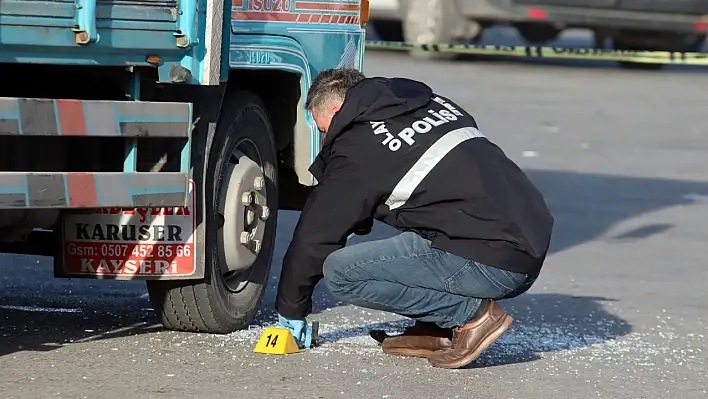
136 251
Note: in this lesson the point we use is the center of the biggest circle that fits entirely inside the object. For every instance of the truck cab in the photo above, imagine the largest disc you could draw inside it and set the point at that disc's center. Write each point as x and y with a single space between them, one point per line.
157 140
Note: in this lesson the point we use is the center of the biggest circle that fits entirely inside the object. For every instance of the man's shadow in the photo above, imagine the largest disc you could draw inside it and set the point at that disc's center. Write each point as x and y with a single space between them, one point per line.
549 322
543 322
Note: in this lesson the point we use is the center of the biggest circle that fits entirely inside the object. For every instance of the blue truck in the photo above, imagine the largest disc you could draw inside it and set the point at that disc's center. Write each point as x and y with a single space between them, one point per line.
156 140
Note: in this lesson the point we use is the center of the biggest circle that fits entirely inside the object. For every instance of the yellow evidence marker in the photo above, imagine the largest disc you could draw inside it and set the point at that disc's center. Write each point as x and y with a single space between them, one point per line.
277 341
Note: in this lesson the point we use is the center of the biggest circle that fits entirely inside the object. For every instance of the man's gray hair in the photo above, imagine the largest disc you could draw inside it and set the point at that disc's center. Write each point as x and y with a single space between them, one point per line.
332 84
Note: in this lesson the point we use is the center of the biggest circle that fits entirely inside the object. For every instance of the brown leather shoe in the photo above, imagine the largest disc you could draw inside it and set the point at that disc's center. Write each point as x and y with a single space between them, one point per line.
471 340
420 340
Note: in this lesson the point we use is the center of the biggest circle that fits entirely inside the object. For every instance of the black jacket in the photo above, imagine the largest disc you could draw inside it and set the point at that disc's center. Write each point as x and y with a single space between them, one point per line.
414 160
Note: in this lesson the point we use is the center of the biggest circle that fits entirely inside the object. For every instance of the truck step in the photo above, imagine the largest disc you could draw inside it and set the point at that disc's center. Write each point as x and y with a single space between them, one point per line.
72 190
46 117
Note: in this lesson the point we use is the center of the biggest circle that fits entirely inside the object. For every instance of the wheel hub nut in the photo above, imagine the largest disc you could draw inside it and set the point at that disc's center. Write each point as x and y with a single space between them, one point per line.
259 183
265 212
247 198
245 237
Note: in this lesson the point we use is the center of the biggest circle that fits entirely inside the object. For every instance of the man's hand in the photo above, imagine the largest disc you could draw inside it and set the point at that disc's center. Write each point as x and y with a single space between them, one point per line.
298 328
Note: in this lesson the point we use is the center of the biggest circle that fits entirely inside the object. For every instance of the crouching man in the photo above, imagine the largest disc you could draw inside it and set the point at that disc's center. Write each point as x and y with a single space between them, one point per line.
474 229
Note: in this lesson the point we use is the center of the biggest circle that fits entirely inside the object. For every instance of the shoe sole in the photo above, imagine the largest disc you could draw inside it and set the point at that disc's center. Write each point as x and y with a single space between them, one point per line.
425 353
486 343
380 336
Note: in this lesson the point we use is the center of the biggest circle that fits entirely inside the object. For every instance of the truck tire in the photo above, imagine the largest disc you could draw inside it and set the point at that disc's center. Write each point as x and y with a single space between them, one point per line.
226 301
435 22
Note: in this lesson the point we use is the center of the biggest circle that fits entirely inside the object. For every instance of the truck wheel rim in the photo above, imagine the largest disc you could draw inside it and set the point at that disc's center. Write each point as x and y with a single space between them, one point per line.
242 214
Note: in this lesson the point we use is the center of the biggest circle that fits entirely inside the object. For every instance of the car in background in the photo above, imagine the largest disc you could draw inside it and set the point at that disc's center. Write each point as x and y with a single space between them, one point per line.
451 21
660 25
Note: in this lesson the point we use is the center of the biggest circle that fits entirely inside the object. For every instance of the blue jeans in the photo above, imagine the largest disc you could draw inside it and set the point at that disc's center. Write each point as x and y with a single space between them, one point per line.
406 276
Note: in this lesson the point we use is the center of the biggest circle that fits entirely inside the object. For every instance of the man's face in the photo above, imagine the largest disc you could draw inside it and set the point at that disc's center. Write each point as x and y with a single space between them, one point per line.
324 114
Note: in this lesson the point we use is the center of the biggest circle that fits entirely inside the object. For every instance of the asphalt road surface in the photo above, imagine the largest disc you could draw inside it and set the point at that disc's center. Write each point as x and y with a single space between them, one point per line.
620 310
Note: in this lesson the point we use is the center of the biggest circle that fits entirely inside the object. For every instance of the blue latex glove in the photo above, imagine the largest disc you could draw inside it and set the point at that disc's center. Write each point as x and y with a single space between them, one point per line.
298 328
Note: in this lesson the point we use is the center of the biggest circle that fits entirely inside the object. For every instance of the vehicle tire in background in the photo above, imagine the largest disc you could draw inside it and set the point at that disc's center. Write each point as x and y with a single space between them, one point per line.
226 301
537 33
435 22
656 41
388 30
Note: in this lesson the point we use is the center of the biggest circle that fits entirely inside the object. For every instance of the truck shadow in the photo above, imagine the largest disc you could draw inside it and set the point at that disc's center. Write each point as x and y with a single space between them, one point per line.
51 324
39 313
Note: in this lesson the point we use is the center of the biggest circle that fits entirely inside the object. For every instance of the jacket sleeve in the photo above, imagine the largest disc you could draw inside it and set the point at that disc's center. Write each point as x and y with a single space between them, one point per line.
340 204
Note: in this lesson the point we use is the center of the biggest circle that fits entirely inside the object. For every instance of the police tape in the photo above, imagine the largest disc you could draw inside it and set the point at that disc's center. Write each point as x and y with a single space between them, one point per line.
647 57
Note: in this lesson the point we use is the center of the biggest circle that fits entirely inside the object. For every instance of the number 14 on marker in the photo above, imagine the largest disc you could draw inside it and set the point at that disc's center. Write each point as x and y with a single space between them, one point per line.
274 342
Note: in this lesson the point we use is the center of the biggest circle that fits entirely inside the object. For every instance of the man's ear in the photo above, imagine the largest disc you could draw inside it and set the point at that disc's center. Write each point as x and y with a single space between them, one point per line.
336 106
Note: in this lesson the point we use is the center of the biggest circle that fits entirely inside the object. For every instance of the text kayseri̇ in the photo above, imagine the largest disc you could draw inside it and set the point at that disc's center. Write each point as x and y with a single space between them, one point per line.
131 266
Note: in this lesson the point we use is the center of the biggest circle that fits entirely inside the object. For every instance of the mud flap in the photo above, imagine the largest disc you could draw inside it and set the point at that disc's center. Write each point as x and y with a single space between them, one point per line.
130 244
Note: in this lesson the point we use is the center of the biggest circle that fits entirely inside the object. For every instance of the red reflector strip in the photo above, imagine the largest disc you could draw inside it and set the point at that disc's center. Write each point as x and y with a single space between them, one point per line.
700 26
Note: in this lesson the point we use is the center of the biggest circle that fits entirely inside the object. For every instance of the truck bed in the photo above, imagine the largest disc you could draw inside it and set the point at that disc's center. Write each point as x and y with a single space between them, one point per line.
99 32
